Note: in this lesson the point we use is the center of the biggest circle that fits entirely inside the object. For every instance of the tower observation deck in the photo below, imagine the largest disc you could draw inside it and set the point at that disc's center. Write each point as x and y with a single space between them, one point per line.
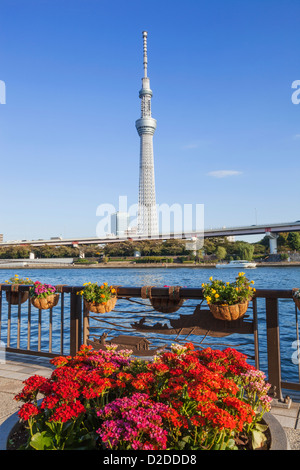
146 125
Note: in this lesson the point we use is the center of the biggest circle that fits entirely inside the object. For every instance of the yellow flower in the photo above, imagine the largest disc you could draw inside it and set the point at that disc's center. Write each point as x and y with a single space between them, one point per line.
227 283
113 291
216 296
211 278
251 282
105 283
208 299
237 289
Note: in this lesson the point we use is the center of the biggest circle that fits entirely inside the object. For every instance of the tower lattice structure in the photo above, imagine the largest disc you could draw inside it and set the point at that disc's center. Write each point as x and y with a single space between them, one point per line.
146 125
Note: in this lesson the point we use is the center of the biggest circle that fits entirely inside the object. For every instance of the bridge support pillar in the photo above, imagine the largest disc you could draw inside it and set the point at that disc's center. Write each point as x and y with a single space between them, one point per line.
272 243
194 244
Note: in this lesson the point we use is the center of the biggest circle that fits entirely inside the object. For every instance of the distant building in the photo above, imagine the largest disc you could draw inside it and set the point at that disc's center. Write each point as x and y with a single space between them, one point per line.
119 223
131 231
1 237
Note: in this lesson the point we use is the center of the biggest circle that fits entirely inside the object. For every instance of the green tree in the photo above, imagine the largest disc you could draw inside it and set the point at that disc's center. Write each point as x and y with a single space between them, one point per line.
294 241
282 240
221 252
244 251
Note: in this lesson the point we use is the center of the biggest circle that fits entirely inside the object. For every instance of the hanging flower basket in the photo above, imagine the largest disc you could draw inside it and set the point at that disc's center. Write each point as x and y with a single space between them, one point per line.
164 304
101 307
99 299
43 303
43 296
229 312
296 297
297 302
228 300
13 297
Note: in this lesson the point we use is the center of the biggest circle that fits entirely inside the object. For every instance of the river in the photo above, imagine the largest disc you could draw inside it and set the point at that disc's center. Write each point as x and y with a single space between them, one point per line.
264 278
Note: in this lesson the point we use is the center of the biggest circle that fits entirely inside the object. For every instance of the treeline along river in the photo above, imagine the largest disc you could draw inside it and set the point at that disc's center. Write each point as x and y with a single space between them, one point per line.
264 278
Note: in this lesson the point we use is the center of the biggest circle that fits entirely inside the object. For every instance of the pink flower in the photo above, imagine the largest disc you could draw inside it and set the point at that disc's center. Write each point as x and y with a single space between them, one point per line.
133 422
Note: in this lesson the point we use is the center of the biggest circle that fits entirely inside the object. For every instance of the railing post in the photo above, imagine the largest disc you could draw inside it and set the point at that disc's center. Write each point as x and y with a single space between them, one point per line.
75 322
86 324
273 347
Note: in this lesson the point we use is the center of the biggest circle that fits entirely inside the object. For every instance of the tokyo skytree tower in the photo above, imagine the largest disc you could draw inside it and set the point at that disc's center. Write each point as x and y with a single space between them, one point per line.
146 125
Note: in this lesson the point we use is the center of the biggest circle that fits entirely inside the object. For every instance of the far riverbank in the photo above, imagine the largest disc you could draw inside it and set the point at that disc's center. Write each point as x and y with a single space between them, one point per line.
132 265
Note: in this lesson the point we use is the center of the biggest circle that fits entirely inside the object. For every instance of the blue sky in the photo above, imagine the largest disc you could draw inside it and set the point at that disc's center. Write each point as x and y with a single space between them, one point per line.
221 74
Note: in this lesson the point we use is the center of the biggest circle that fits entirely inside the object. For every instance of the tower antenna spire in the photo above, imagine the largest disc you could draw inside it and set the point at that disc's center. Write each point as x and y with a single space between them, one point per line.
145 34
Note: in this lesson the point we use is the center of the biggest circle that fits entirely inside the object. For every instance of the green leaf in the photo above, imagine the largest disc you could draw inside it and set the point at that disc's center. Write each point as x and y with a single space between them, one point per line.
258 439
41 441
230 445
261 427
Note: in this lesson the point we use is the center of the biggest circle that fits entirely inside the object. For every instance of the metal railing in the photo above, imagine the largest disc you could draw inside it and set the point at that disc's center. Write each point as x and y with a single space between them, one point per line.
62 329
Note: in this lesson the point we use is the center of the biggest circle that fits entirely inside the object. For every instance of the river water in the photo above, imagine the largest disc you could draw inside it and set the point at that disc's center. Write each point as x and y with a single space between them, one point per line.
264 278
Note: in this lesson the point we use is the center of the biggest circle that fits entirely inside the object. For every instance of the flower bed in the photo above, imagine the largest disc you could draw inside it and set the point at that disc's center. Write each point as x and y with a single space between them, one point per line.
185 399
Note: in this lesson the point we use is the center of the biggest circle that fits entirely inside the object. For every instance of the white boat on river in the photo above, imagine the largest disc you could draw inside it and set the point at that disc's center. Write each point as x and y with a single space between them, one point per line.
241 263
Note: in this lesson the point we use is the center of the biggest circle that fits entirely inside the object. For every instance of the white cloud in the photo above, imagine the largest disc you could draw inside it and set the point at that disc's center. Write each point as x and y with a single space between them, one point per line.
196 144
192 145
224 173
296 137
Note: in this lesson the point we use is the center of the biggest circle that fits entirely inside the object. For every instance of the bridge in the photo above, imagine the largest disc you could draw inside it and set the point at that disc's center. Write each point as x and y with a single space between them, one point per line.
271 230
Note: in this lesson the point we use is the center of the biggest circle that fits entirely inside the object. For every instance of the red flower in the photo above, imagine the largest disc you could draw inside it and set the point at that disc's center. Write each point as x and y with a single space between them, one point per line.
28 410
65 412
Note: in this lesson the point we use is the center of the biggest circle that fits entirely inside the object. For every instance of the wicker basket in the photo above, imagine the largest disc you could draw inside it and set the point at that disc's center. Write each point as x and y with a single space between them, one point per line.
164 304
297 302
46 302
101 308
13 297
229 312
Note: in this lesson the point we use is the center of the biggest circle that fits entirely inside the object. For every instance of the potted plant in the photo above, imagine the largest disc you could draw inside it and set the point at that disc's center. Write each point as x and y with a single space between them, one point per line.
228 300
186 399
98 299
296 297
12 297
43 296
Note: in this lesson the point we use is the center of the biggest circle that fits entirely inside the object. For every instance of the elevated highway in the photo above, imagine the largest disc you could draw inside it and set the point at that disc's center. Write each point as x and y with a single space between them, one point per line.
271 230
